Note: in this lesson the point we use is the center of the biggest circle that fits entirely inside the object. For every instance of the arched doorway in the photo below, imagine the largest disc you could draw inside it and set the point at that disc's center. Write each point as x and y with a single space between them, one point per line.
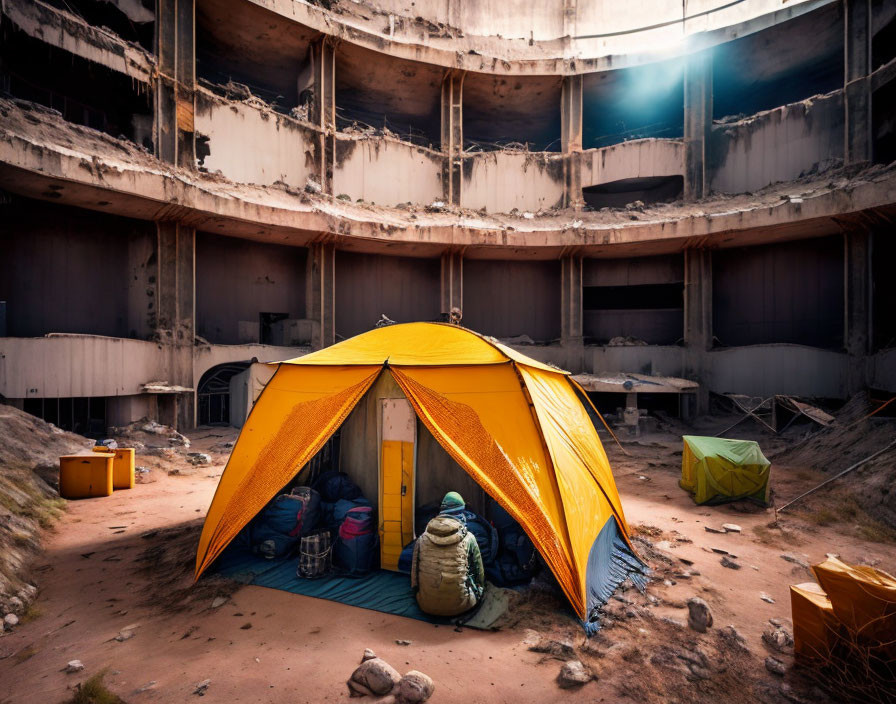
213 393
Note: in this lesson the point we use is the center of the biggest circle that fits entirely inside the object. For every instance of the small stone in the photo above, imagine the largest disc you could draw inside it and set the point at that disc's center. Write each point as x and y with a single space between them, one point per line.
10 621
733 638
573 674
402 642
709 529
74 666
202 687
146 687
374 676
17 606
832 555
368 655
124 635
699 614
219 601
778 637
775 666
766 598
719 551
731 527
415 687
729 563
686 561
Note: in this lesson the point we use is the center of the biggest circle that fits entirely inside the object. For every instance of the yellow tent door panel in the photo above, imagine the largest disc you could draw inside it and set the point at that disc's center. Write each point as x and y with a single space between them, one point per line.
397 500
396 480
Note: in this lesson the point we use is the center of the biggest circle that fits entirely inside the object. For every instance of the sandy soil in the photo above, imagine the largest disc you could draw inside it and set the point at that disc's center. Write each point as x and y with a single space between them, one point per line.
118 567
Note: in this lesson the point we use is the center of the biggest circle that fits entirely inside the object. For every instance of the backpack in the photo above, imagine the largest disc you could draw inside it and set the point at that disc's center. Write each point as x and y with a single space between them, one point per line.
271 533
308 517
333 486
485 534
355 549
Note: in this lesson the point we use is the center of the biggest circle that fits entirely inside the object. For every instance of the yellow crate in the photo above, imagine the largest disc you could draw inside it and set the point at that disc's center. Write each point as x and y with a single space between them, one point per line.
122 466
85 476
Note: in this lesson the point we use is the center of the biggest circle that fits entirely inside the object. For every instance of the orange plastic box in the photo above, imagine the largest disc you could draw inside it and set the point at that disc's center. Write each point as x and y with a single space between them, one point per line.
122 466
85 476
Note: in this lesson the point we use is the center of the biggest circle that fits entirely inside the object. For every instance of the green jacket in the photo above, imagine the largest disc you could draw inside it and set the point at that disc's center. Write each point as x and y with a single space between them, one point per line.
447 571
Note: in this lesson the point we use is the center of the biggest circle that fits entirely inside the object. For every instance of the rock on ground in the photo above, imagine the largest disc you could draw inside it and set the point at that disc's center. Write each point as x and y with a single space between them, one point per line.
778 637
373 676
574 674
699 614
775 666
74 666
415 687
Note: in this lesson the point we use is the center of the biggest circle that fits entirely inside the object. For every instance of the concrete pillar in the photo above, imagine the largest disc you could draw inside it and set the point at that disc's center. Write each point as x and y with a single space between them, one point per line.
323 112
175 319
571 139
571 311
697 123
452 287
320 293
857 320
698 320
856 84
175 85
453 134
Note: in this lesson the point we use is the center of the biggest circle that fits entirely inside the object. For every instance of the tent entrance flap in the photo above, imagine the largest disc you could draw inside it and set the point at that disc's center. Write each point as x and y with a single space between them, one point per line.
397 460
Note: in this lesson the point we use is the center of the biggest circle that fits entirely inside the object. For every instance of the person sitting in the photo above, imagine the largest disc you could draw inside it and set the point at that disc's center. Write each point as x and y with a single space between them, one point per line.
446 571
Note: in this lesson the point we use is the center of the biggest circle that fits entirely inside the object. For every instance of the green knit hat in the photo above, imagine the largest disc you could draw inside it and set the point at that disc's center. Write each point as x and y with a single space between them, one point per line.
452 500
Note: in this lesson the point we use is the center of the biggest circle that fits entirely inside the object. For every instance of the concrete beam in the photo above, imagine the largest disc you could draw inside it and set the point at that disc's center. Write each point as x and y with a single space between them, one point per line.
856 84
697 123
452 283
174 131
65 31
320 293
323 112
453 134
571 139
176 317
571 312
698 320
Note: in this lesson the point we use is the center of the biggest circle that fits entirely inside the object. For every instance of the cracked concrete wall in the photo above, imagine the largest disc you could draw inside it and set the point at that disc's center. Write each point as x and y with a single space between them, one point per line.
386 172
508 298
237 279
405 289
252 144
501 181
777 145
68 270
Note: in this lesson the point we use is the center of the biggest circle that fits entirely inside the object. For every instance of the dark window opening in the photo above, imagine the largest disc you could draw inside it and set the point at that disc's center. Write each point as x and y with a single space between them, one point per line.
653 313
883 291
82 415
883 123
633 103
213 393
136 23
520 112
266 326
783 64
618 194
883 43
391 96
84 92
790 292
242 43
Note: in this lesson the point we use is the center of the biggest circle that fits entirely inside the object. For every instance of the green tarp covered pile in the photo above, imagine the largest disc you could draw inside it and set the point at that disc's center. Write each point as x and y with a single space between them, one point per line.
715 470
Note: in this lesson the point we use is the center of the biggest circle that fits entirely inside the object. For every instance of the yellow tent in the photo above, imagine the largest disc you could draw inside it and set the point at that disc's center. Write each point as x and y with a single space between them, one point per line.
518 427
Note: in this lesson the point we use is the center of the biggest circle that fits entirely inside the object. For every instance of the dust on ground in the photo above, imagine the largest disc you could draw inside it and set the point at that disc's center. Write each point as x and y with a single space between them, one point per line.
116 592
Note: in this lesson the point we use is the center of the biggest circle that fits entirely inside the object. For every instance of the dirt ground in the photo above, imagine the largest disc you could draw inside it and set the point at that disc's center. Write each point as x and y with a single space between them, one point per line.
115 593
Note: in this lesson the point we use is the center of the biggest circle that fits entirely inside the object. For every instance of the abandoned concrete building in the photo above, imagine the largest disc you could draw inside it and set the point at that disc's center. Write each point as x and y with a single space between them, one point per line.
697 189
